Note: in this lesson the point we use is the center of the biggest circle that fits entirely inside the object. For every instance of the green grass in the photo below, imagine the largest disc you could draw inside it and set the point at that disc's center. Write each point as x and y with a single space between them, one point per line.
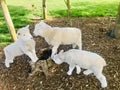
19 17
84 8
22 11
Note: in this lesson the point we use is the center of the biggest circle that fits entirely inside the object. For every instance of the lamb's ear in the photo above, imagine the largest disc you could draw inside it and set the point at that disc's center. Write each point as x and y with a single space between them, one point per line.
27 26
41 22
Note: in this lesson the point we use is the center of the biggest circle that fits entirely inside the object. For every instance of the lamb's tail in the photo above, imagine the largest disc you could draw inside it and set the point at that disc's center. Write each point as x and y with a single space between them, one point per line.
6 52
104 62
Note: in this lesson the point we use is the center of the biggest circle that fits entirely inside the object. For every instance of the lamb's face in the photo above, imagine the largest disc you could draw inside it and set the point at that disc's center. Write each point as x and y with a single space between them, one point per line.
40 28
56 59
24 33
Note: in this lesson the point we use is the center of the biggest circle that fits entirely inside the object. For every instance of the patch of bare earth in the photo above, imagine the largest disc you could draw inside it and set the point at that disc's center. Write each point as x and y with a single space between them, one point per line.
95 38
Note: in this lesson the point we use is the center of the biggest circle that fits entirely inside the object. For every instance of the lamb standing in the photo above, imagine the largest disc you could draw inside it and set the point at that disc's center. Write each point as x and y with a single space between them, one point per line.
56 36
24 45
83 59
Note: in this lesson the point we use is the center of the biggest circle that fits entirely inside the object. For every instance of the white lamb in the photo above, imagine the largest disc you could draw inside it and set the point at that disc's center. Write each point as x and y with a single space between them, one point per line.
24 45
56 36
83 59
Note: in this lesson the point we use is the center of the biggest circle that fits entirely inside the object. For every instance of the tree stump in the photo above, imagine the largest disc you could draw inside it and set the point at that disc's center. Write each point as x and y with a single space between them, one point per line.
44 62
116 32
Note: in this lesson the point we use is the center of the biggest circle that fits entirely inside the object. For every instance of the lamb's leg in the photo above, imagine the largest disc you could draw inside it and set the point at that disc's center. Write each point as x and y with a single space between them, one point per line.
34 55
71 67
9 58
87 72
79 43
7 63
102 80
31 56
80 46
101 77
54 50
78 69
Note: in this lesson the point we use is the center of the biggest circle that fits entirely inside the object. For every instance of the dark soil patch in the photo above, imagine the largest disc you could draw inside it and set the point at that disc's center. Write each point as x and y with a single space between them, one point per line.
95 38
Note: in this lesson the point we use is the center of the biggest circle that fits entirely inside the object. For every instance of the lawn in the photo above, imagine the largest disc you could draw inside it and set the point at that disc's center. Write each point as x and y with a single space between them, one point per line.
22 11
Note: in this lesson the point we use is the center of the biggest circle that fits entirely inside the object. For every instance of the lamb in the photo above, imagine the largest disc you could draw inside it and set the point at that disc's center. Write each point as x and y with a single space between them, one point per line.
56 36
24 45
93 62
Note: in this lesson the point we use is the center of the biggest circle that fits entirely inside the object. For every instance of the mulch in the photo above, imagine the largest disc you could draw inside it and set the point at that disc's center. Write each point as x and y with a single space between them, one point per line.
95 38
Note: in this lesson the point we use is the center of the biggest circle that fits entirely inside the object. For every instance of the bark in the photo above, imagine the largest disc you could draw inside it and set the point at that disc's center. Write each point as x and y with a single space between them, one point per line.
116 32
68 11
44 9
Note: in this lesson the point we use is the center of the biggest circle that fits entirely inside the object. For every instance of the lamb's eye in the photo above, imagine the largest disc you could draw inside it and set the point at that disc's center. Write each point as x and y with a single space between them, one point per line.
23 34
18 33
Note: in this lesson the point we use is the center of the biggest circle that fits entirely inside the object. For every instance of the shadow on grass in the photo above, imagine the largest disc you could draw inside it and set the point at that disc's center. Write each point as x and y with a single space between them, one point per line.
19 17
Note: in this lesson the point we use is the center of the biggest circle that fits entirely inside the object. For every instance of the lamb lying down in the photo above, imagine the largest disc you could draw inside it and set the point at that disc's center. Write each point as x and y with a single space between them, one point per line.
83 59
24 45
56 36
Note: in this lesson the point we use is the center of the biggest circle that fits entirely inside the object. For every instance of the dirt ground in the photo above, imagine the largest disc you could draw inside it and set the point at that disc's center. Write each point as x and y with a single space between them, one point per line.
95 38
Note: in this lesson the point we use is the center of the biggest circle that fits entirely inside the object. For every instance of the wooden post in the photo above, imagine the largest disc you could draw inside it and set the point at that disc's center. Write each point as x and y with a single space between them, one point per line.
8 20
68 11
68 6
117 24
44 9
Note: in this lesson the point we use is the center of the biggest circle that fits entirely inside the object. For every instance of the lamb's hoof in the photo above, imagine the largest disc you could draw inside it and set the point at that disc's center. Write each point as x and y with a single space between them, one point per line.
68 73
104 85
7 65
11 62
78 72
87 72
35 60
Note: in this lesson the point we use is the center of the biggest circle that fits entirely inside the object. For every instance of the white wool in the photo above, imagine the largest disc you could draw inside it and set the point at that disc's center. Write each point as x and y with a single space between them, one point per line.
24 45
56 36
24 33
93 62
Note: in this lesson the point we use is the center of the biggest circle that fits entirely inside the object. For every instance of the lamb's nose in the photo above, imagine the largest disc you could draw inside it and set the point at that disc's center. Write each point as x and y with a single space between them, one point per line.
33 34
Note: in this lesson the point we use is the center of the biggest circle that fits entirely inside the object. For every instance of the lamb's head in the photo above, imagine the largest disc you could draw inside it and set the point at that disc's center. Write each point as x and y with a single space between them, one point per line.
40 27
24 33
58 58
